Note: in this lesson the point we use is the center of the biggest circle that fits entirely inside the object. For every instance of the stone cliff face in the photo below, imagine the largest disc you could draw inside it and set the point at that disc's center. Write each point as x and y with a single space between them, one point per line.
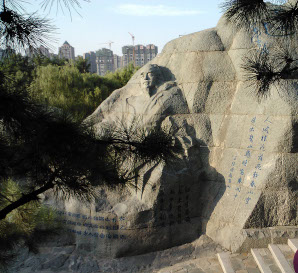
239 169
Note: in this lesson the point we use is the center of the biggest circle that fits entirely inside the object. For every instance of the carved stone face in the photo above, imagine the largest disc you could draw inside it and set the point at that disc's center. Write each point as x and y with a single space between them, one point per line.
150 78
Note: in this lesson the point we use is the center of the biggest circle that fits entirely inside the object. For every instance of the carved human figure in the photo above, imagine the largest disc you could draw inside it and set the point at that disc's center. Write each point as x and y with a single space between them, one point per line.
161 97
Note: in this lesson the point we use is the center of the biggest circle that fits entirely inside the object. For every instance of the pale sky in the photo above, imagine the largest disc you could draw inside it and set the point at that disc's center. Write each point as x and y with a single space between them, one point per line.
151 21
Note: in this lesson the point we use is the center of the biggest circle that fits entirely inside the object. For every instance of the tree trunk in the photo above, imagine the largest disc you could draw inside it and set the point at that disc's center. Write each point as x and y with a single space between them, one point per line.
26 198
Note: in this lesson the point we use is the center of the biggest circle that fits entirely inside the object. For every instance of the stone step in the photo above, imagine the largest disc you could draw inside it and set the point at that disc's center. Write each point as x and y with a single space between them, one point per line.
224 260
288 253
267 261
274 259
208 264
244 263
280 259
264 268
238 263
293 244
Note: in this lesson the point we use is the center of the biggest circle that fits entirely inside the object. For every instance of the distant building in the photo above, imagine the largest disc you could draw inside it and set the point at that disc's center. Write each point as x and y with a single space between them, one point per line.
104 61
66 51
91 59
151 52
44 51
31 52
127 57
117 62
140 54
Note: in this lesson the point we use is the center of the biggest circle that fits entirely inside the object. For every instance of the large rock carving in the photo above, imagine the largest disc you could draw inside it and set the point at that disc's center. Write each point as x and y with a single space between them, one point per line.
239 169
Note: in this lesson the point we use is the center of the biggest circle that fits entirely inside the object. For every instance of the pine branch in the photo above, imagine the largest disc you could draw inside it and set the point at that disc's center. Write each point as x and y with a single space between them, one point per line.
262 69
260 72
26 198
285 18
19 32
3 196
245 13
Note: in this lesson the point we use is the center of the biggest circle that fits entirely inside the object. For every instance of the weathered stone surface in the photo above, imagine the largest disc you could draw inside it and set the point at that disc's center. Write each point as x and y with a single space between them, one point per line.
207 40
200 252
239 168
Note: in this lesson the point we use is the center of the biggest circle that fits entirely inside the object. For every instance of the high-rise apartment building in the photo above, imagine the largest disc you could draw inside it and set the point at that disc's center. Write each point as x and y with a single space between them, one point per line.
117 62
91 59
31 52
104 61
127 57
66 51
151 52
140 54
44 51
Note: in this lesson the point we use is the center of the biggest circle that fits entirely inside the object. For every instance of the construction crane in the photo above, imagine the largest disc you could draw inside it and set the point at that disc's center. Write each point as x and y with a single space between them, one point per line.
133 44
108 43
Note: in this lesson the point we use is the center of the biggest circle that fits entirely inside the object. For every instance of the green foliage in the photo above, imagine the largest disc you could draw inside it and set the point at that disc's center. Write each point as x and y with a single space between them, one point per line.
77 93
61 84
27 217
82 65
122 76
23 217
18 71
41 60
23 225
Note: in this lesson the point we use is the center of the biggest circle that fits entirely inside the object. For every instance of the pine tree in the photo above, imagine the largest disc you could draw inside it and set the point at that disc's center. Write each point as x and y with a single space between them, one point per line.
44 149
264 68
